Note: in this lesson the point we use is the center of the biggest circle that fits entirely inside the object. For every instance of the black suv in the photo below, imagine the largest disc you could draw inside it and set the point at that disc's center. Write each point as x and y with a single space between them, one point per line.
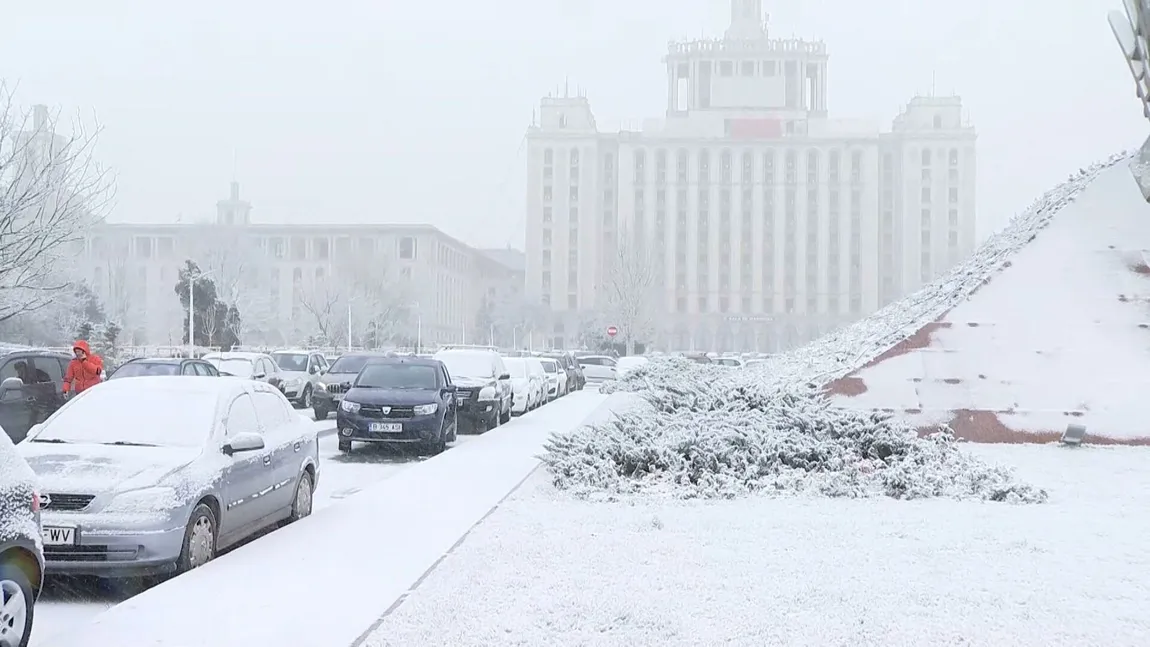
31 389
337 379
399 400
21 555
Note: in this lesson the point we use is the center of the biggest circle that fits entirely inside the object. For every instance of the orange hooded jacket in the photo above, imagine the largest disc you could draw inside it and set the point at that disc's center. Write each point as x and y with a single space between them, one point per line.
83 374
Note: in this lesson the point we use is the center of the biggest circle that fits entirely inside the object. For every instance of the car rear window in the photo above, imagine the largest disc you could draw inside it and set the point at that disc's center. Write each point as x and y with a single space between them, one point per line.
140 369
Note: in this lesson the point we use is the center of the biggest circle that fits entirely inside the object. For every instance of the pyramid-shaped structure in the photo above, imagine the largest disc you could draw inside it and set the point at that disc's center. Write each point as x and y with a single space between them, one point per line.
1048 324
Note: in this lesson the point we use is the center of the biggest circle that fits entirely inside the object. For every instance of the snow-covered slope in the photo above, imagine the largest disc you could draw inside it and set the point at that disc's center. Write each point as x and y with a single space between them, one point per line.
1046 325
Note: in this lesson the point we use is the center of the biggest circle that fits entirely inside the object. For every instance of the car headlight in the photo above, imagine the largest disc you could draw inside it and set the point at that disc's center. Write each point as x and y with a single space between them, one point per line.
425 409
146 500
350 407
487 393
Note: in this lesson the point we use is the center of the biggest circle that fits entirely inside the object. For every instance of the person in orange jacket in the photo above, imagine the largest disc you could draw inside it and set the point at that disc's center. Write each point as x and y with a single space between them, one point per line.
83 371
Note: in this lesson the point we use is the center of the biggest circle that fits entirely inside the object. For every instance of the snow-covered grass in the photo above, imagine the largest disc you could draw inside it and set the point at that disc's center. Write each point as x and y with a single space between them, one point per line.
546 569
708 431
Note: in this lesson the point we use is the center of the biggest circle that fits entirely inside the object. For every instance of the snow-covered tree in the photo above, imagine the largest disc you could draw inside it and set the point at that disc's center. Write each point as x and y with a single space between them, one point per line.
231 259
51 192
325 301
630 295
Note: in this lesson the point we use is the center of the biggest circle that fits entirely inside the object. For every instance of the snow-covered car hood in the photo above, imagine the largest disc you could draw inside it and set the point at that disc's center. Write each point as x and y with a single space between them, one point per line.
293 375
392 397
97 469
337 378
17 483
473 382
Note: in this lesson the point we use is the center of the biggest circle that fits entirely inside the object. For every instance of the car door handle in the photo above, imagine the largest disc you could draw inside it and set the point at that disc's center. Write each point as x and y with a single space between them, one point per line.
298 445
30 400
267 460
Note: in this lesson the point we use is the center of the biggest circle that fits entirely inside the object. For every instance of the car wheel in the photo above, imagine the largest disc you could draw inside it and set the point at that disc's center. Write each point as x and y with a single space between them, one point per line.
305 399
321 413
344 445
302 504
16 606
505 417
439 445
199 539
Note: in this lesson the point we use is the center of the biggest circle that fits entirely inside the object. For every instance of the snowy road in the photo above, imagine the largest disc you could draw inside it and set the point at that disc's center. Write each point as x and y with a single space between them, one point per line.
68 603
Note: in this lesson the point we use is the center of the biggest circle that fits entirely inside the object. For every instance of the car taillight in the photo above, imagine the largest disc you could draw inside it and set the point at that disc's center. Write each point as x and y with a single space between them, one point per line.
35 502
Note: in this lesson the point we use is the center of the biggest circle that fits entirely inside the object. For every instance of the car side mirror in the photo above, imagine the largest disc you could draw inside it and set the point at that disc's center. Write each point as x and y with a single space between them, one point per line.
505 376
259 376
243 442
313 370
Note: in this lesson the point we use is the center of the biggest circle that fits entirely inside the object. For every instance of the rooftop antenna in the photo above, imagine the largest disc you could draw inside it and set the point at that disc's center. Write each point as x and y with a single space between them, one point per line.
933 74
566 92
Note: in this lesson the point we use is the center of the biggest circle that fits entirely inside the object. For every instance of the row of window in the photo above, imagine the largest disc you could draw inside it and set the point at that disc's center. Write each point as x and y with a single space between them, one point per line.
301 248
725 304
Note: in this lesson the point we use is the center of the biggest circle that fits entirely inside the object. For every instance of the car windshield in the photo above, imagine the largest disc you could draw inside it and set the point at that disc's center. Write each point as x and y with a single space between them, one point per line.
349 364
291 361
237 366
467 364
168 417
515 366
137 369
726 361
398 376
551 367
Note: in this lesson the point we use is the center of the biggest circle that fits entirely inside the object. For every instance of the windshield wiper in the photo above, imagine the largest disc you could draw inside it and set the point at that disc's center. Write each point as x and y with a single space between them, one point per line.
128 443
57 441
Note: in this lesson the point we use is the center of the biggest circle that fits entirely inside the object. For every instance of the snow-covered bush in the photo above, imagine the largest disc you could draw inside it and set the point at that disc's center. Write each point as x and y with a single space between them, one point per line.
701 433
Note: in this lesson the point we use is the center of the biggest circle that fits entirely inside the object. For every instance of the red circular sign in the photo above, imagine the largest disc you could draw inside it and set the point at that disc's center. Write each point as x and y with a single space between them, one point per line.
612 331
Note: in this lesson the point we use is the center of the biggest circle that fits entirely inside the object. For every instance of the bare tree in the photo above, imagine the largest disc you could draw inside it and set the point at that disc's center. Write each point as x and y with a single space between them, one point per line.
230 257
381 298
631 297
325 302
51 192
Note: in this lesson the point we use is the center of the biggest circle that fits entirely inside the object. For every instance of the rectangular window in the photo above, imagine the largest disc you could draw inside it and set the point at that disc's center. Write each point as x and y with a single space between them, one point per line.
407 248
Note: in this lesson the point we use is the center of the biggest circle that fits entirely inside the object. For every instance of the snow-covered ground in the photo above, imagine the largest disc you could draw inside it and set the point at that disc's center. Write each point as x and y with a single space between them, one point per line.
67 604
546 569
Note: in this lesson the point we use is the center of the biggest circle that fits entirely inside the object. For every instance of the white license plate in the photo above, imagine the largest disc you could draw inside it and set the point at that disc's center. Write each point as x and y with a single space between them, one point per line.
389 427
59 536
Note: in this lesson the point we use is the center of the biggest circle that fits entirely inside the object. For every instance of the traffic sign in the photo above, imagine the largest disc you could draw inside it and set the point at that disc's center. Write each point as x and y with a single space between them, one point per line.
612 331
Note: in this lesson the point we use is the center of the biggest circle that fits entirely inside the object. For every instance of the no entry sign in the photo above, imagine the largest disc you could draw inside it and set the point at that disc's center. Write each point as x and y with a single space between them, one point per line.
612 331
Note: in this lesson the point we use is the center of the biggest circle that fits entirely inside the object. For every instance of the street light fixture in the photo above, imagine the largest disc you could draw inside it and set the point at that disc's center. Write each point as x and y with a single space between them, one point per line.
192 310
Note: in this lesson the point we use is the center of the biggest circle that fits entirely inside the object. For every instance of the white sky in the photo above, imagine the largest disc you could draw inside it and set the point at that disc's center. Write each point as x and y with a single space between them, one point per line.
369 111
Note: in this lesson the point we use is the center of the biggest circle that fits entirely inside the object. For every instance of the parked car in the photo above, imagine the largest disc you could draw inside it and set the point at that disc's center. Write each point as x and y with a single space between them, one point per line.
483 385
556 377
733 362
253 366
598 368
576 379
629 363
176 469
400 400
535 370
145 366
21 556
336 380
698 358
31 386
526 389
300 370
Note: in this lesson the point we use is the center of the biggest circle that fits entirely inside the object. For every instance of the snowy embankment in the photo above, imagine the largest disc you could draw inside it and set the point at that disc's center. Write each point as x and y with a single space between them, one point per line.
348 562
797 572
702 431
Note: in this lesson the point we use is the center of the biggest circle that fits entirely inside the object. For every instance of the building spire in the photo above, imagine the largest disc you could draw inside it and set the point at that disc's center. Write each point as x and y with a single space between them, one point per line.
746 20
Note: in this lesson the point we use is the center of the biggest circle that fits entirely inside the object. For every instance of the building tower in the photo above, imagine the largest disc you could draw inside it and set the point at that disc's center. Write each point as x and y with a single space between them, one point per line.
234 211
747 73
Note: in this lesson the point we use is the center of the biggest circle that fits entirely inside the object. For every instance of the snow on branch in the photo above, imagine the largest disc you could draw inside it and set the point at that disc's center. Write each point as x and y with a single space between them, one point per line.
51 192
631 300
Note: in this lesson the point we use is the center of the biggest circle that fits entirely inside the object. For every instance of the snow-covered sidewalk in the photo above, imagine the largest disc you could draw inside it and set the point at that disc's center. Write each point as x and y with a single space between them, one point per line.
546 569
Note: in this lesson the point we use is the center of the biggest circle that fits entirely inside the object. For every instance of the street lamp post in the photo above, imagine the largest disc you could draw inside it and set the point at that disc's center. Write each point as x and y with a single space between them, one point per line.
192 311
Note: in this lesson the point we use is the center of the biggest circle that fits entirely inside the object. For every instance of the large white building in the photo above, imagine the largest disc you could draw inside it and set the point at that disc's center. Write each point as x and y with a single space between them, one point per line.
767 221
420 280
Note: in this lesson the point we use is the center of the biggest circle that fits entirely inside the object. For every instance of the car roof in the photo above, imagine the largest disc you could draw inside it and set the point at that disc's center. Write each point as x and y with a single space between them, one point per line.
295 351
183 383
234 355
157 360
407 359
35 352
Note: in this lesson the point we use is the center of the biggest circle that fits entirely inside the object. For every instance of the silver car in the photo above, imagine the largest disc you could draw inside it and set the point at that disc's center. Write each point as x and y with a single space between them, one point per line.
300 371
154 475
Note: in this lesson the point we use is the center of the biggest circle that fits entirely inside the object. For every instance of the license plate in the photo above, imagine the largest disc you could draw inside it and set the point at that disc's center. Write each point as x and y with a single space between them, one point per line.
59 536
389 427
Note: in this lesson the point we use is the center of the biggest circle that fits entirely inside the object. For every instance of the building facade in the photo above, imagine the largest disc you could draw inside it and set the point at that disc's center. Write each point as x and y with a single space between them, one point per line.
767 222
293 282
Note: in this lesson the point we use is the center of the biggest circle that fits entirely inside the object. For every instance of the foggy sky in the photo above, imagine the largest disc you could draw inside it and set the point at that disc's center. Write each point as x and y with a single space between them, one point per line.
368 111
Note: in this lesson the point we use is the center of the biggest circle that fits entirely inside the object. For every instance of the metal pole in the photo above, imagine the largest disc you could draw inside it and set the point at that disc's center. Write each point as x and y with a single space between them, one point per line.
491 334
349 325
418 332
191 316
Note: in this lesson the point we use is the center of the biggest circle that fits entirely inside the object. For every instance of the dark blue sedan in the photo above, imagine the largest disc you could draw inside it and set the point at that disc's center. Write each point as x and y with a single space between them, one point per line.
399 400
